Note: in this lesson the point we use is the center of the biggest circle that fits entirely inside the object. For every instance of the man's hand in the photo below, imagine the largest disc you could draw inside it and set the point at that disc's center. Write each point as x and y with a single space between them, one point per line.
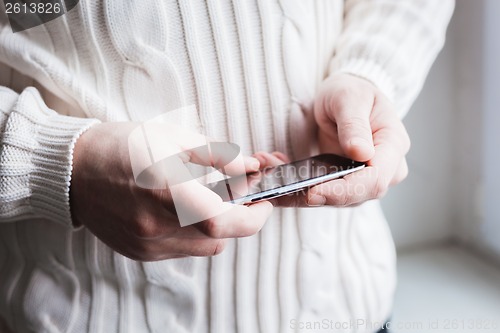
140 223
357 121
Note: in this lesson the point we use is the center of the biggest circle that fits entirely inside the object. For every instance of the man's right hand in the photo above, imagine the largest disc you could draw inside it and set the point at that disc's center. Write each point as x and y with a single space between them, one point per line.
140 223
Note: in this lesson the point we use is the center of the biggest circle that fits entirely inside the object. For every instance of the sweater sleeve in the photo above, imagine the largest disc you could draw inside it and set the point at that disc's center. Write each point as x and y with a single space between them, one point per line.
36 152
392 43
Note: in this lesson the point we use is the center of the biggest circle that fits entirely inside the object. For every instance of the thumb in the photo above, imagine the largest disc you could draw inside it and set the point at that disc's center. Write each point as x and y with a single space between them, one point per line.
355 138
352 116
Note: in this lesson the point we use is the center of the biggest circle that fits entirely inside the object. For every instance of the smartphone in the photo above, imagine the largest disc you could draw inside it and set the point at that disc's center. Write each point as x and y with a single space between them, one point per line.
284 179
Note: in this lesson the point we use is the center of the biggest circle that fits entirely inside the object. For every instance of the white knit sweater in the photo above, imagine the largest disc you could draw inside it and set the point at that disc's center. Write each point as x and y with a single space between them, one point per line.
251 67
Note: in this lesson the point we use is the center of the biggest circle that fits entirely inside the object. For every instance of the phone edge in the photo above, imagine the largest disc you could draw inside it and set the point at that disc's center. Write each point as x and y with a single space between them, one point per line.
271 194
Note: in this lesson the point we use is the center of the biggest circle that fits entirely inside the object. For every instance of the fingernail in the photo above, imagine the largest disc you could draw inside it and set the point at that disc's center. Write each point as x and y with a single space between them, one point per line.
254 163
359 142
316 200
261 159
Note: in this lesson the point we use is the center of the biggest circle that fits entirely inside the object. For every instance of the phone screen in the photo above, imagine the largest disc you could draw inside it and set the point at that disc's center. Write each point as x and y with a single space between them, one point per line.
283 179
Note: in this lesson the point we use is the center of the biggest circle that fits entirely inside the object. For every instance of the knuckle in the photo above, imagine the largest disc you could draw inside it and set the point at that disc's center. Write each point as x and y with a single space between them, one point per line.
212 228
341 197
209 248
343 93
379 189
147 231
218 248
161 195
146 228
344 199
355 91
354 123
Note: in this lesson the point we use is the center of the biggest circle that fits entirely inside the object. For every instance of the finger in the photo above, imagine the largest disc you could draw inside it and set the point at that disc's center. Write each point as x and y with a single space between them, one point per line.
238 186
223 156
347 106
194 202
351 112
334 193
251 164
240 165
208 238
370 183
268 160
351 189
240 221
228 158
391 145
283 157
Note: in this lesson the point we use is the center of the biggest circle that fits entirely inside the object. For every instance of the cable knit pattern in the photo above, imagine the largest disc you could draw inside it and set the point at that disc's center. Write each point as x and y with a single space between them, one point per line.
251 68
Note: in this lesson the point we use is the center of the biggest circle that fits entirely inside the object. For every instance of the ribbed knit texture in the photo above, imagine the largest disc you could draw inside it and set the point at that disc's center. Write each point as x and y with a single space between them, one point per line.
251 68
35 157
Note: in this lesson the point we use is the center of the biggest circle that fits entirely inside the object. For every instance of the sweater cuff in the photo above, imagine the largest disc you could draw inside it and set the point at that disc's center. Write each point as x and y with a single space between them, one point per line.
53 164
368 70
36 157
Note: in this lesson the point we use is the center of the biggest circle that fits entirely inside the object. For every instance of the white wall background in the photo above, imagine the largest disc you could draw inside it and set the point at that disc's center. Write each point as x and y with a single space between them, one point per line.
453 190
420 209
490 230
